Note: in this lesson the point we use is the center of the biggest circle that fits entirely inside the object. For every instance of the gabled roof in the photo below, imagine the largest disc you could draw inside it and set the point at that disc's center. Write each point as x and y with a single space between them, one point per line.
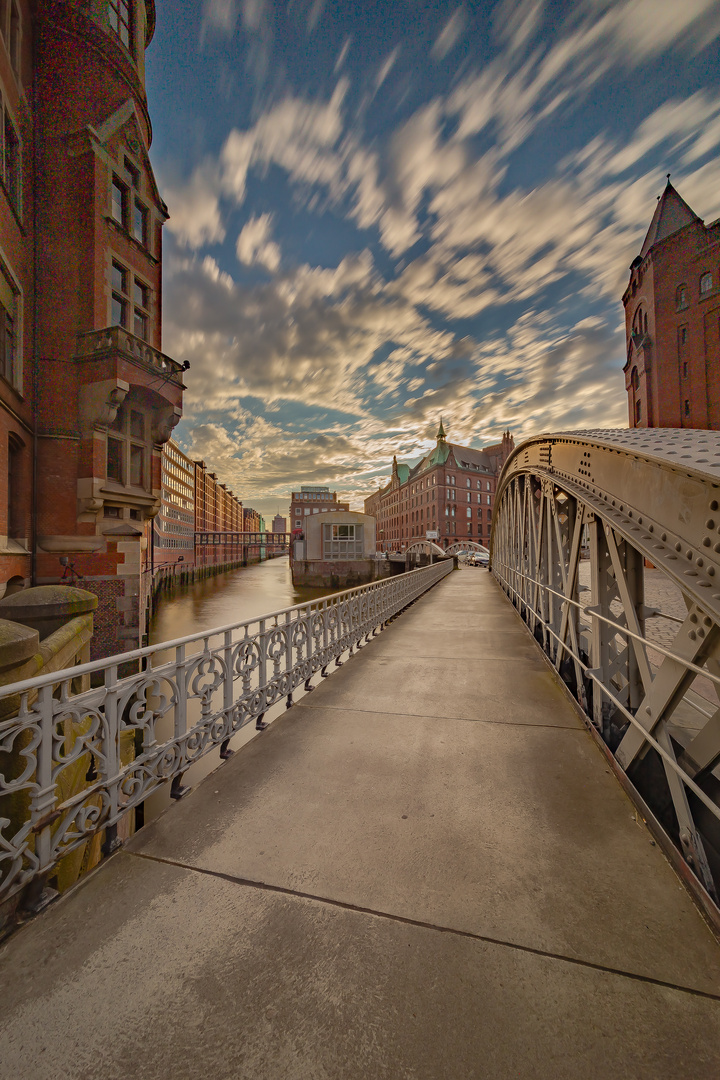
126 116
672 213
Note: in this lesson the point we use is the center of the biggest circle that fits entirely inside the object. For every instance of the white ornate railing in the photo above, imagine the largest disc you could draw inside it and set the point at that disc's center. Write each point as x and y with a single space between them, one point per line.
138 731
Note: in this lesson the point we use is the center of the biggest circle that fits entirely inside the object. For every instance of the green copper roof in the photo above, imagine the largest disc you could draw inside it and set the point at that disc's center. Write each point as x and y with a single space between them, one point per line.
441 431
403 472
441 452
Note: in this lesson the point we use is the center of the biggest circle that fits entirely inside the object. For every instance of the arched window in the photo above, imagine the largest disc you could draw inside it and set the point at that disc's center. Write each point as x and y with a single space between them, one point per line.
638 411
681 299
706 283
645 323
638 322
634 379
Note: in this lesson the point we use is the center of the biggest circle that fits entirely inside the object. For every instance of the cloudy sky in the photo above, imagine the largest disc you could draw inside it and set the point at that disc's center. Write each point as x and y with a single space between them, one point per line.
387 212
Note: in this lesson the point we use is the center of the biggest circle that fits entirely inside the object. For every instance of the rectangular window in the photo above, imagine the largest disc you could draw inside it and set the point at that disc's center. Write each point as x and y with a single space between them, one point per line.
140 325
342 541
137 424
140 222
137 462
11 162
141 295
119 311
119 202
687 407
119 18
685 369
119 278
132 173
7 345
115 460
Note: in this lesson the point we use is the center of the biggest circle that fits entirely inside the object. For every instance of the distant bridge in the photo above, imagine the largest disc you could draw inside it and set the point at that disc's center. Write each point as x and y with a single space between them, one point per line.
247 539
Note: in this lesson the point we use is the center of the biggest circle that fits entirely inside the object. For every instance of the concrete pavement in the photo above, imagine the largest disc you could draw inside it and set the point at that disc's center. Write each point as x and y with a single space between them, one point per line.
423 870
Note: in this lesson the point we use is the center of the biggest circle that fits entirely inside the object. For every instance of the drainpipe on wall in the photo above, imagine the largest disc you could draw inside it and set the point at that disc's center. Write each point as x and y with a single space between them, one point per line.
36 360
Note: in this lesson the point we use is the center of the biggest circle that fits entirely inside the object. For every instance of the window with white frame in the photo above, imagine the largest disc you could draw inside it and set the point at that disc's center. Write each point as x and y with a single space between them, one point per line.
342 541
706 283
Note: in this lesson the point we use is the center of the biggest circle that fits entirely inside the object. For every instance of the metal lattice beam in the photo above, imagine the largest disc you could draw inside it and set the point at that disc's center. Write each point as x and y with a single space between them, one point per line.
624 501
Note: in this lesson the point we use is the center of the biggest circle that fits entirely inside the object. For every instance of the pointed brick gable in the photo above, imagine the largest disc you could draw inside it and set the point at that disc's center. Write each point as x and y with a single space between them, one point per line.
672 213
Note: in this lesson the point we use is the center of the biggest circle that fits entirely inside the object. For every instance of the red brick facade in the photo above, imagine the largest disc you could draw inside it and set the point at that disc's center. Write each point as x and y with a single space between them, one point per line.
312 500
219 520
672 321
448 495
170 554
87 398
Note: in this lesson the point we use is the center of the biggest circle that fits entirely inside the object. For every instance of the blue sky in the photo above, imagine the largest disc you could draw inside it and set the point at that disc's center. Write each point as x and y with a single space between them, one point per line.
382 213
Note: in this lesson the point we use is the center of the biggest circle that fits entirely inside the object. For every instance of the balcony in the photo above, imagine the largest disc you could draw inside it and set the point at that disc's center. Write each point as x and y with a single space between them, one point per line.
116 341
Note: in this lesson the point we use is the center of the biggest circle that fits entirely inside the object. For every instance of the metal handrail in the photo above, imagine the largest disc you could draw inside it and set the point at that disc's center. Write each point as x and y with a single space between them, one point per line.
140 730
588 671
610 622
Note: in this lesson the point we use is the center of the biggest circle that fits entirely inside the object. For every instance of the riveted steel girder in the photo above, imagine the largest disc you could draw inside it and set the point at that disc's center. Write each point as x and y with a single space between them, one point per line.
625 501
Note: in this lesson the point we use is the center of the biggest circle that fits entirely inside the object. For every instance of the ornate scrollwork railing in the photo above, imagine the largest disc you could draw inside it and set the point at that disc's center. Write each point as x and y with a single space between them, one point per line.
139 731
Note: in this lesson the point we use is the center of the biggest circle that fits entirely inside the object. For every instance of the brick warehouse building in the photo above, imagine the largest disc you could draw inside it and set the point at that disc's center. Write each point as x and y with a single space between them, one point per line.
218 521
672 321
88 398
312 499
170 553
449 494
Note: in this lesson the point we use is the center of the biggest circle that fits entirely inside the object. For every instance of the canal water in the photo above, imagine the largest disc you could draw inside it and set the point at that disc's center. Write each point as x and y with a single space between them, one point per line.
232 597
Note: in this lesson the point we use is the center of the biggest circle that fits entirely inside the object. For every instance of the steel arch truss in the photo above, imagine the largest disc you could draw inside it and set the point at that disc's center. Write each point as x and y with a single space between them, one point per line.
466 545
425 547
624 511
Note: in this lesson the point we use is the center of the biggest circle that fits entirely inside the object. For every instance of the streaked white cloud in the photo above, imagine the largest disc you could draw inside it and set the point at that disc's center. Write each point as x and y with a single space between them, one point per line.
254 244
221 16
195 215
385 68
450 34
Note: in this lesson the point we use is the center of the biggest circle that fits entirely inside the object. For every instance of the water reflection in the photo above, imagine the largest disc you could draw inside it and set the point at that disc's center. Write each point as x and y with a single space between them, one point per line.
232 597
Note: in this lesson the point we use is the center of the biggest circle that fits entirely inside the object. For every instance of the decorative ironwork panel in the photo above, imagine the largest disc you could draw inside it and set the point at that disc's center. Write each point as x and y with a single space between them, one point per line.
132 734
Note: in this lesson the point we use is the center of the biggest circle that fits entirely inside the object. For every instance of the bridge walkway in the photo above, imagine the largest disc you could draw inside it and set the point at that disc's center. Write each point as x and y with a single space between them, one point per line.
423 870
